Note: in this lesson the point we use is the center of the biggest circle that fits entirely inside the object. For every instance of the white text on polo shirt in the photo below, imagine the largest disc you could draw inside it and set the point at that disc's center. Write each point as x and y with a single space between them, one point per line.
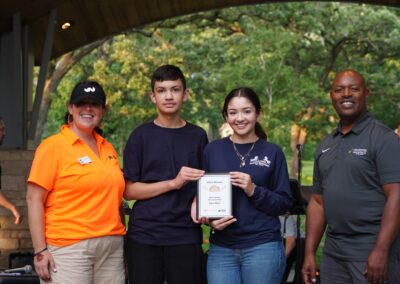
358 152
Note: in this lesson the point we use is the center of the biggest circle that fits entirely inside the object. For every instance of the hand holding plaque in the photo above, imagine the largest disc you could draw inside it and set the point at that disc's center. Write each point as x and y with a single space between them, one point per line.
214 196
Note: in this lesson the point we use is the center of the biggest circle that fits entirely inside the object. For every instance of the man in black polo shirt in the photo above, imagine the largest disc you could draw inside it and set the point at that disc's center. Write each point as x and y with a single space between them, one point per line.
3 199
356 194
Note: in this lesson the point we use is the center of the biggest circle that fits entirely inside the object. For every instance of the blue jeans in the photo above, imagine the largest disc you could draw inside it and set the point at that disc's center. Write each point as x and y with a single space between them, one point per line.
260 264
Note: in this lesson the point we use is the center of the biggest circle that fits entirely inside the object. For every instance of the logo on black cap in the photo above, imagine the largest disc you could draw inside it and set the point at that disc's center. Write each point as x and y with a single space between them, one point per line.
88 90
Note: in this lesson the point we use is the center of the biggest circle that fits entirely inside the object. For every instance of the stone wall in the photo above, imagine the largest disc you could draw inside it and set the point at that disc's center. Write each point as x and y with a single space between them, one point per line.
15 166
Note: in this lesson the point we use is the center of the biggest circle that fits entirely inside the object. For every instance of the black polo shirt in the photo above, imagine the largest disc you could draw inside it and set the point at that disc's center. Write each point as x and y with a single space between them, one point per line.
349 171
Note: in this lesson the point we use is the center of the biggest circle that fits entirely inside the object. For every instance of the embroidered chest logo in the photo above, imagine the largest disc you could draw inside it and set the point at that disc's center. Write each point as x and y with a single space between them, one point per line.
325 150
260 162
358 152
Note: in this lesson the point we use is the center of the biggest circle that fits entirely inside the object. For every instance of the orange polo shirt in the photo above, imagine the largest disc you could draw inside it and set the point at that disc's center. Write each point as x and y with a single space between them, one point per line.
85 191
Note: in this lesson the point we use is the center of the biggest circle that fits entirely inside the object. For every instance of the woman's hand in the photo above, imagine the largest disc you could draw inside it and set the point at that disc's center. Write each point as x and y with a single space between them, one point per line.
243 181
218 224
44 262
222 223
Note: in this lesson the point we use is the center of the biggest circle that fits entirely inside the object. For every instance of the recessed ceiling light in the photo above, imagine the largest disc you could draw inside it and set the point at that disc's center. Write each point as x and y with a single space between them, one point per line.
67 25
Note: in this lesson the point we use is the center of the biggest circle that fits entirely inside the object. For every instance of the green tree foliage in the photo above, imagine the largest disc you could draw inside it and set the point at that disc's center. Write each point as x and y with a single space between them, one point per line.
287 52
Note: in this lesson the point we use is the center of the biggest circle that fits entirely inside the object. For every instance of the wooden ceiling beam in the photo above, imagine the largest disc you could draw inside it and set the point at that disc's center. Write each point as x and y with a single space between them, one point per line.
95 19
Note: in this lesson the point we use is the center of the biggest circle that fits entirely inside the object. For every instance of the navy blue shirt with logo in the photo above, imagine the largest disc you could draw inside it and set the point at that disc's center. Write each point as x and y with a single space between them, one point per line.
257 216
152 154
349 171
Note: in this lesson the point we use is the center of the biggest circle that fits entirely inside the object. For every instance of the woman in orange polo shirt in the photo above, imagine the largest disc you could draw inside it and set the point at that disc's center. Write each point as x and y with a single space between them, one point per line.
75 190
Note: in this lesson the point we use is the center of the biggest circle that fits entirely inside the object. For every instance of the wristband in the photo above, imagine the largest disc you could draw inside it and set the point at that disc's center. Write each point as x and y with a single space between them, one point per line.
39 252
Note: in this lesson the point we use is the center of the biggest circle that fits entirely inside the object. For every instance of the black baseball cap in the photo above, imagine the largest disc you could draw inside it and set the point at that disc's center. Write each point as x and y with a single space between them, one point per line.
88 90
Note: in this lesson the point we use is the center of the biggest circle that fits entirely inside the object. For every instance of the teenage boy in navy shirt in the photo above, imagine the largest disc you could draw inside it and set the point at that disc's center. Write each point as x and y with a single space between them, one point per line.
162 161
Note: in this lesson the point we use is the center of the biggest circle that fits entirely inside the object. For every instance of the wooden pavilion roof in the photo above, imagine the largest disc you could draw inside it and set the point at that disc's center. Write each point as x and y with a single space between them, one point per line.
95 19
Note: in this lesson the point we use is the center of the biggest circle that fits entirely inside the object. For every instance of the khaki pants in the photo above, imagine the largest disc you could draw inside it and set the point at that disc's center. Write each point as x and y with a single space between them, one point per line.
91 261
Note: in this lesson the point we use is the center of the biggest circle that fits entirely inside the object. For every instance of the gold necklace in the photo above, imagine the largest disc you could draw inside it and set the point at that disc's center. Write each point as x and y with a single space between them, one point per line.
243 157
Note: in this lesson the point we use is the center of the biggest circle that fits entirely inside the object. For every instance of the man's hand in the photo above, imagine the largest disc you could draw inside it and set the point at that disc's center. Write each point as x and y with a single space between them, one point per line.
315 229
376 267
309 270
377 263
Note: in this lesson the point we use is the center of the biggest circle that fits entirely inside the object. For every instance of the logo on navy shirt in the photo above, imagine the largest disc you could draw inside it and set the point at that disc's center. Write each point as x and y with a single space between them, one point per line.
260 162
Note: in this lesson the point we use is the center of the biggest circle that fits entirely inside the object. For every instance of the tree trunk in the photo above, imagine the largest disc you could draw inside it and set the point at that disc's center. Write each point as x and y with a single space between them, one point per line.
298 135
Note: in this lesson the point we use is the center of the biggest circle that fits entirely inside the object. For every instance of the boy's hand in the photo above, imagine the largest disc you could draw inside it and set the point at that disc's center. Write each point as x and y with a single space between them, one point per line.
193 214
185 175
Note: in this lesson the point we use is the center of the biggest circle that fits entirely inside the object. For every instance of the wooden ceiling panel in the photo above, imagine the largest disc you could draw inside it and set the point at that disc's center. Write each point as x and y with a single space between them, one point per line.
95 19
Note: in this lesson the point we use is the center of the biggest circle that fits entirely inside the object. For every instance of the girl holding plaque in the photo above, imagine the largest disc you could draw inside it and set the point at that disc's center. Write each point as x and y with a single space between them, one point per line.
247 247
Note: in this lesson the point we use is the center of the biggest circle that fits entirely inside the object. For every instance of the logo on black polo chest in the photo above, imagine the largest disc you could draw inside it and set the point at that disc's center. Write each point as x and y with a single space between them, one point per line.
358 152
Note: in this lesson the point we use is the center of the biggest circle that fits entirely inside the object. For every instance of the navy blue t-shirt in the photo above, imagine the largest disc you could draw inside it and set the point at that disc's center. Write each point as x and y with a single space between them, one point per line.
152 154
257 216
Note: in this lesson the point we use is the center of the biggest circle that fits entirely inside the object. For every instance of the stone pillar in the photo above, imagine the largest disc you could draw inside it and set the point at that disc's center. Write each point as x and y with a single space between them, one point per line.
15 166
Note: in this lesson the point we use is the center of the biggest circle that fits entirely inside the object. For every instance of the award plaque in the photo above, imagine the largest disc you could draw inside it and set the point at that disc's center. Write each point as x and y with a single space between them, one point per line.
214 196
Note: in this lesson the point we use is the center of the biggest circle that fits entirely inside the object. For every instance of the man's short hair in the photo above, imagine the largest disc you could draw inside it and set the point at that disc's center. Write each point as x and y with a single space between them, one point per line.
167 73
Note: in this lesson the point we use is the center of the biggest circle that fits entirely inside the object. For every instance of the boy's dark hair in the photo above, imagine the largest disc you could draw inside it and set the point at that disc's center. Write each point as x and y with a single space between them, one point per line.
167 73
